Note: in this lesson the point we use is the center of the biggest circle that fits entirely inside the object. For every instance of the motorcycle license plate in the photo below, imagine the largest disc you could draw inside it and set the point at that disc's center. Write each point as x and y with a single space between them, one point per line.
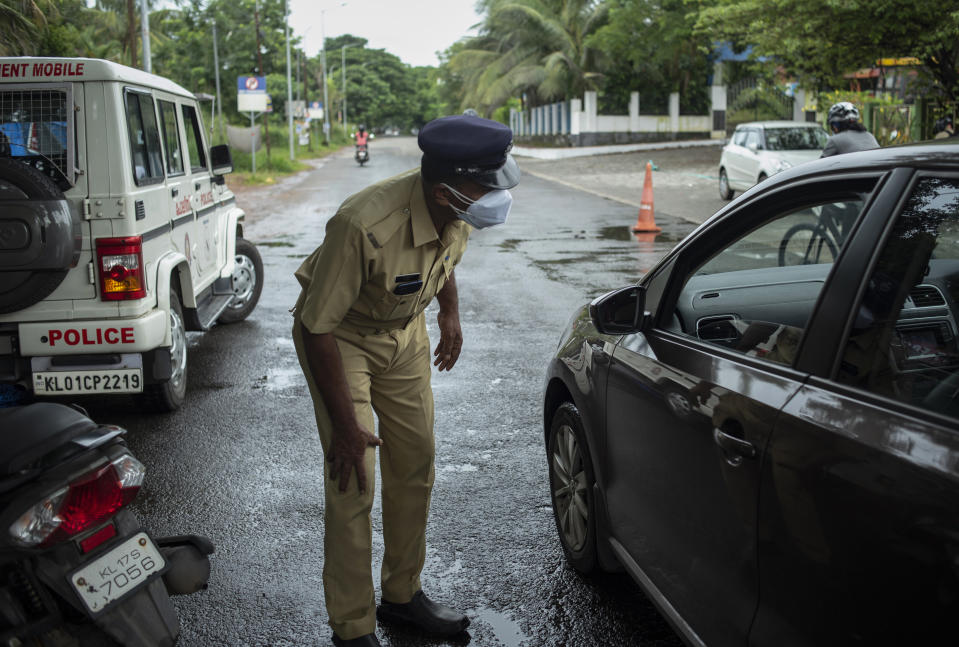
115 380
117 572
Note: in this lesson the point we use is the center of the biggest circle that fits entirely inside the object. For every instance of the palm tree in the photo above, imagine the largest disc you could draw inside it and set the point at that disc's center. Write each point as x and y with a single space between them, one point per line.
536 48
20 24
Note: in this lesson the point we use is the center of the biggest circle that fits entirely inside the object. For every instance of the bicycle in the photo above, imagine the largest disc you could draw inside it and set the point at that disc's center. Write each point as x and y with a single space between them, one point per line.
820 243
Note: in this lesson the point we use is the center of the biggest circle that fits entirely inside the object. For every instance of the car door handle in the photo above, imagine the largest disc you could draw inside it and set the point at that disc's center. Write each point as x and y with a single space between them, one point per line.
734 447
196 185
175 192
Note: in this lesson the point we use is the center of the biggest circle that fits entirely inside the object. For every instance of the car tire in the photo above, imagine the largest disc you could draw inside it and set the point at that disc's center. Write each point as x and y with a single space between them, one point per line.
724 191
571 482
247 282
170 394
21 289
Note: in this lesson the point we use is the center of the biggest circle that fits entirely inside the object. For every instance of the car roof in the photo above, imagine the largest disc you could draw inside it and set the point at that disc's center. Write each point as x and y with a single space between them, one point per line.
25 69
779 124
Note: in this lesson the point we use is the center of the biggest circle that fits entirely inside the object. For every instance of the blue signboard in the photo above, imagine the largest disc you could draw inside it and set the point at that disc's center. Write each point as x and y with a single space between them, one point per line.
252 84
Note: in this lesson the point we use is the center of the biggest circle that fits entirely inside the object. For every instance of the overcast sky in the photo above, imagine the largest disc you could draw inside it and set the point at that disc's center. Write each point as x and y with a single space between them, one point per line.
413 30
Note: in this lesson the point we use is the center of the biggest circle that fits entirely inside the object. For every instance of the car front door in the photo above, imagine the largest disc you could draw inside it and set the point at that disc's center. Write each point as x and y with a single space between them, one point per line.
859 505
692 401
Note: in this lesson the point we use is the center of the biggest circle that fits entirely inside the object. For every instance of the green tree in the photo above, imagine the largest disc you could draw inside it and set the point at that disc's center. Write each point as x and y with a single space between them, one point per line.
651 48
821 40
538 49
21 24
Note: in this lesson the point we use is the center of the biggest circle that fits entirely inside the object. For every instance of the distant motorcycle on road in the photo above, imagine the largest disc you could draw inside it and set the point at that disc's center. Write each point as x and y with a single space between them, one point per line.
76 567
362 154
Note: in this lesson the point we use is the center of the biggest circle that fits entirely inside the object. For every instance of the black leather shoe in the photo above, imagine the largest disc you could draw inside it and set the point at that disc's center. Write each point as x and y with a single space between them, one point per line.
421 612
369 640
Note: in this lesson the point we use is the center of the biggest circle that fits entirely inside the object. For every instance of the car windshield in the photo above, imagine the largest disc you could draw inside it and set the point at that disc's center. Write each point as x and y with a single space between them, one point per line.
795 139
33 122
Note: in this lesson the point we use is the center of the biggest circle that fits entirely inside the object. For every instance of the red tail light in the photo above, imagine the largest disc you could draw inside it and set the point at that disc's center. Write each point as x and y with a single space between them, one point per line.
120 268
84 504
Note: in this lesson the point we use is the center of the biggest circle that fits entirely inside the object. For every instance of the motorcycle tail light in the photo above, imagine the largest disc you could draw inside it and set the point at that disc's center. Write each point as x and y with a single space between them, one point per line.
120 268
82 505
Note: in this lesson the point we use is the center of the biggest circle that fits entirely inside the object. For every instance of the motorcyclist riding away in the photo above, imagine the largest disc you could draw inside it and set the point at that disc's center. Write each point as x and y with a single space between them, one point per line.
361 135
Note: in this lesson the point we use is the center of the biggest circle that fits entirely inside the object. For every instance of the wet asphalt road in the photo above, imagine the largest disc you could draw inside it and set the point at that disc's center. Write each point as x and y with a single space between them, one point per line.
242 464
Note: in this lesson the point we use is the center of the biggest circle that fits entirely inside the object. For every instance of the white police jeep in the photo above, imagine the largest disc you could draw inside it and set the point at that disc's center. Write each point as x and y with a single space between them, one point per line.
117 232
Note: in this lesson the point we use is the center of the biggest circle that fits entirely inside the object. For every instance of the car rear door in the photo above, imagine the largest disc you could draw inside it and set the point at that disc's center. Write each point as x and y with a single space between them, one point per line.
691 404
859 504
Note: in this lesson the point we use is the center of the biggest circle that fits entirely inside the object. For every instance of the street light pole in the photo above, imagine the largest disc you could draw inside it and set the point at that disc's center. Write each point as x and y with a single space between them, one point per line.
145 36
344 90
326 98
289 80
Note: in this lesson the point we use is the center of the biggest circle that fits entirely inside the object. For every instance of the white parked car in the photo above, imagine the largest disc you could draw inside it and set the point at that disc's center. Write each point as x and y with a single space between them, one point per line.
117 232
759 149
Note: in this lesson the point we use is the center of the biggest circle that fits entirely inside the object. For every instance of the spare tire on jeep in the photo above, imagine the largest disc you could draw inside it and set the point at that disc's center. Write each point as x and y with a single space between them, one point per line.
40 237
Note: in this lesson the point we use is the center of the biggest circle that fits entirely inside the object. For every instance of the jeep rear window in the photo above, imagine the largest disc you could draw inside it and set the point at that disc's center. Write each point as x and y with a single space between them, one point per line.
194 139
33 123
144 139
171 138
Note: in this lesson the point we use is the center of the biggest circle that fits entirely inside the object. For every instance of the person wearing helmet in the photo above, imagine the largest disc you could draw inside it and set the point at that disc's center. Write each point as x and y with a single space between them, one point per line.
361 136
848 133
360 336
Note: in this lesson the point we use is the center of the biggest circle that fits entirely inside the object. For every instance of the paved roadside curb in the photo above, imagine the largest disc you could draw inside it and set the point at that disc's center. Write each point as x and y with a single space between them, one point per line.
578 187
584 151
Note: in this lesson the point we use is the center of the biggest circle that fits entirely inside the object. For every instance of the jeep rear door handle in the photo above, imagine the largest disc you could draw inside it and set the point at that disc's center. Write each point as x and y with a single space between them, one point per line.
196 185
175 192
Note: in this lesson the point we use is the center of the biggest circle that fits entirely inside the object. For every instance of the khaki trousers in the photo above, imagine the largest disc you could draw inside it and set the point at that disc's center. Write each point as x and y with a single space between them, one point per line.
389 373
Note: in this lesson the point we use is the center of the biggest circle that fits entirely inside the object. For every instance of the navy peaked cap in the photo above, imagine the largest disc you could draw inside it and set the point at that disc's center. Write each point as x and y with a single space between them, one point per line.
473 147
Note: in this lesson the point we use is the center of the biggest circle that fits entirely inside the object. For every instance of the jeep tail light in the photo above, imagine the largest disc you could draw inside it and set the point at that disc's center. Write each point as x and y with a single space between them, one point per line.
83 504
120 268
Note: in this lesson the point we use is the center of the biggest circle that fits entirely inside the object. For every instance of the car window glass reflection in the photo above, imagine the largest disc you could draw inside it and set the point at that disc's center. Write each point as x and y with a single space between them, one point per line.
903 341
756 294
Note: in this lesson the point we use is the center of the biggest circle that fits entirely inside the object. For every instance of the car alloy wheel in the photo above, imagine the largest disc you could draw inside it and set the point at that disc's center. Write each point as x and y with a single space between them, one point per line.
571 488
177 349
572 504
244 281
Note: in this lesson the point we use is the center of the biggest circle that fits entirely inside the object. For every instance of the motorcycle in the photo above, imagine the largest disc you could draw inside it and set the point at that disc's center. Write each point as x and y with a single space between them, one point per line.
76 567
362 154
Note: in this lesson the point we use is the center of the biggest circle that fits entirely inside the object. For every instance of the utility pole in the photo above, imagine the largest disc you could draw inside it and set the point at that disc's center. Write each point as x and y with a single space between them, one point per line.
132 32
345 127
145 35
289 80
259 55
326 98
216 65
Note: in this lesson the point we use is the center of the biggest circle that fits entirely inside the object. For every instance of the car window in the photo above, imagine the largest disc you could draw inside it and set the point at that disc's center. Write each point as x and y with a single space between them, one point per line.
795 139
34 122
739 138
903 341
752 137
194 139
755 295
144 139
171 138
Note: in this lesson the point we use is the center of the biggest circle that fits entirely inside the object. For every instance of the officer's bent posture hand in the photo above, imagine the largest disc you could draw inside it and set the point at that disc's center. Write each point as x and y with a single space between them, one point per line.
451 336
350 439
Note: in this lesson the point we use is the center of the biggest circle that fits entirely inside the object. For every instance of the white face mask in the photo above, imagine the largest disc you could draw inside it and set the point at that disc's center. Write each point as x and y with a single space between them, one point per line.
491 209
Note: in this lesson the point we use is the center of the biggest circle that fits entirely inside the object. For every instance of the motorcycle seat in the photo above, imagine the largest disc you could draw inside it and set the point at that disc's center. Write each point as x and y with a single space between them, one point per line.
30 432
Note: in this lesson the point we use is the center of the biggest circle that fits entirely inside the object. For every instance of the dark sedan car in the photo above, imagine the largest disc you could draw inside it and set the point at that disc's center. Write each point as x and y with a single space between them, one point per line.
764 432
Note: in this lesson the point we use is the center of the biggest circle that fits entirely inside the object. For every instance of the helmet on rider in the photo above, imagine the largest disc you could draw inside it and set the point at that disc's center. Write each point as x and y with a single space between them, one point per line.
361 127
841 115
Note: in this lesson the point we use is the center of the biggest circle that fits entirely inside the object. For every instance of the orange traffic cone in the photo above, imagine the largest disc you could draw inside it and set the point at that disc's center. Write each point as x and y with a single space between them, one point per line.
645 221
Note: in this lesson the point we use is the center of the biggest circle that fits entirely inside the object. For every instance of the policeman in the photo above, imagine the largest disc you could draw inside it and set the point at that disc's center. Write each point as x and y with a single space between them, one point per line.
360 336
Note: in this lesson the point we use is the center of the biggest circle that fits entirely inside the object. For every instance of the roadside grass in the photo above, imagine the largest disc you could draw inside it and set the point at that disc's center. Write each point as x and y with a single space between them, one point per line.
279 164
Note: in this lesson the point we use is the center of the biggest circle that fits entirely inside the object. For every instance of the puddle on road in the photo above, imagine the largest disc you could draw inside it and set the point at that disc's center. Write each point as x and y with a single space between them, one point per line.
625 233
280 379
505 629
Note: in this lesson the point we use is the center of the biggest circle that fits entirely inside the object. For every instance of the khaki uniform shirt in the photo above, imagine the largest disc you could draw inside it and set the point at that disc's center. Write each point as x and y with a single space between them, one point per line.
380 239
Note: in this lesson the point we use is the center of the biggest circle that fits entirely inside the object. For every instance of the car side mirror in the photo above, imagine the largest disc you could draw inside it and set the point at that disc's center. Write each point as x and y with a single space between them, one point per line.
222 159
752 146
620 312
